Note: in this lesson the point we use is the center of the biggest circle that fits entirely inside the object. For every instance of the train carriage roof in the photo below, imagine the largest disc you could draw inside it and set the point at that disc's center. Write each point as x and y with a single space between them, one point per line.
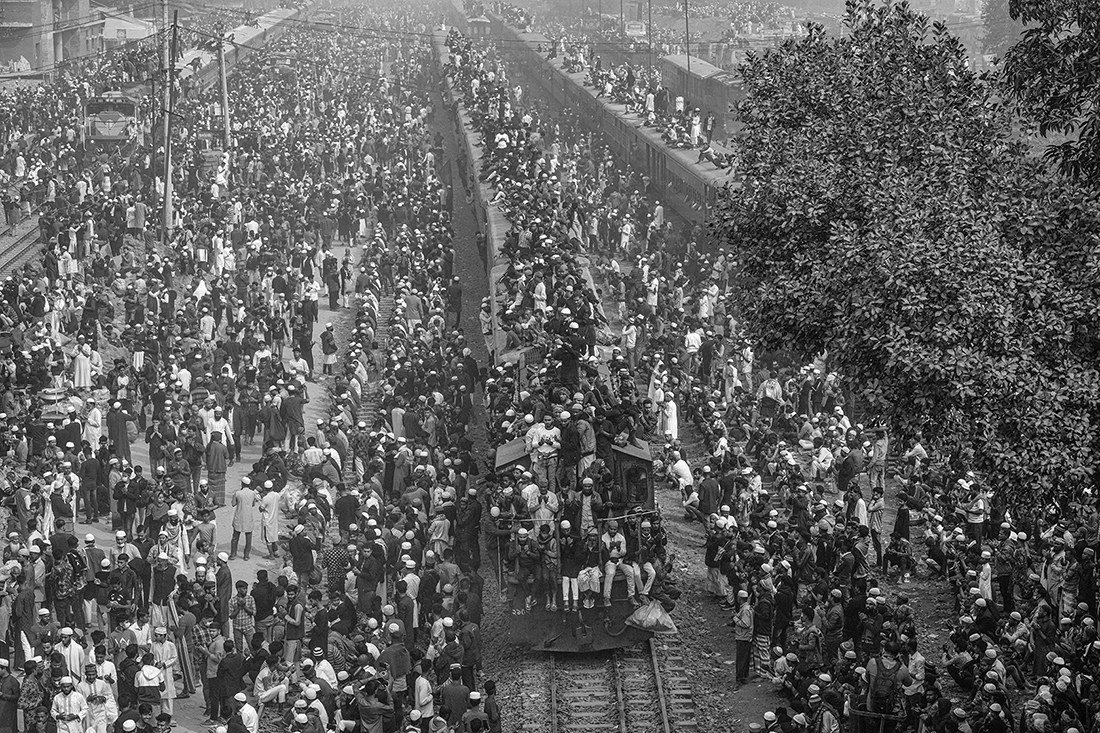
699 68
514 451
727 78
637 449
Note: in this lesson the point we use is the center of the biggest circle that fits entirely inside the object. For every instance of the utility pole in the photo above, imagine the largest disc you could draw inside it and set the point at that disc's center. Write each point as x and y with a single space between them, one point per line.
687 45
169 114
165 62
649 30
225 92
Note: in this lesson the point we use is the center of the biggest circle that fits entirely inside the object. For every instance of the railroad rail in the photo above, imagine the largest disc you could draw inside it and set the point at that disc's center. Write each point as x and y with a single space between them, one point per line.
20 250
642 689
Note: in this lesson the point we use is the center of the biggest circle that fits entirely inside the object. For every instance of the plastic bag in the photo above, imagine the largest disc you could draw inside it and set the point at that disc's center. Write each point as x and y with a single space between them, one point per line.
652 617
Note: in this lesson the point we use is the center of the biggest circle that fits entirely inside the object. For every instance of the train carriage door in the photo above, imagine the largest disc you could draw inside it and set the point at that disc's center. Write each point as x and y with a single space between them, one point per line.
651 168
660 178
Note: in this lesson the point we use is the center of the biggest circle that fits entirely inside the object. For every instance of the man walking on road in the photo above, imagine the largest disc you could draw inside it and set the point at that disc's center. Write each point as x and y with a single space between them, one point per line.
454 299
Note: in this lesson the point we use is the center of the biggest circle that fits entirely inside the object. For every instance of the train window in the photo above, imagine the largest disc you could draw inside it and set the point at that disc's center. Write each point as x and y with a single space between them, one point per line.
637 485
95 107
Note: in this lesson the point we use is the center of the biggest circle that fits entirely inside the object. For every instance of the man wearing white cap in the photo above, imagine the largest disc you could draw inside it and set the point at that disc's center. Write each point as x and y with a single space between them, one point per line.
9 697
122 546
93 422
244 517
72 651
116 430
475 713
224 580
249 716
69 708
166 657
37 575
543 442
218 423
102 708
269 519
93 563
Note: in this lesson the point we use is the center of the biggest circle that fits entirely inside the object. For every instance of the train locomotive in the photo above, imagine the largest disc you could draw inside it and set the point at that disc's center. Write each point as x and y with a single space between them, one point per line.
591 627
111 121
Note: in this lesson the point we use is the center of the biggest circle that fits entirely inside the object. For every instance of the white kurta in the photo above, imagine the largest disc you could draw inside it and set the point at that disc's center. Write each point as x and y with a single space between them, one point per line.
101 715
72 704
269 511
93 426
74 658
670 419
164 652
82 371
244 510
250 718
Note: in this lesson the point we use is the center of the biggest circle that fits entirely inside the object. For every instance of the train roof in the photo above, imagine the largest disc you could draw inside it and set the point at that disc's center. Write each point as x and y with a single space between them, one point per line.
134 97
243 35
684 162
699 68
513 451
638 449
531 37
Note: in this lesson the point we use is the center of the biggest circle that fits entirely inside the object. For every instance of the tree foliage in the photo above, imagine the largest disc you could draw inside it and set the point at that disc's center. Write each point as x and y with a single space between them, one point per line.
887 215
1054 73
1001 30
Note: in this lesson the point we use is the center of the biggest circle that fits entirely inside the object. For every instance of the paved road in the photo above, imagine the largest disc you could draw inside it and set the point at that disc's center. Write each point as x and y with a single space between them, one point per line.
188 711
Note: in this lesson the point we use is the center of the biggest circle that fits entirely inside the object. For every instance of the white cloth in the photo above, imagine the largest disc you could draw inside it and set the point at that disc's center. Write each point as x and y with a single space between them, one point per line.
72 704
73 654
250 718
269 511
100 714
244 510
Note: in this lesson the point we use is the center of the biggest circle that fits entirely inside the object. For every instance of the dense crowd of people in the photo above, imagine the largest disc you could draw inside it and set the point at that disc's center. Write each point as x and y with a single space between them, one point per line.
564 524
638 86
819 527
741 13
203 347
203 351
43 156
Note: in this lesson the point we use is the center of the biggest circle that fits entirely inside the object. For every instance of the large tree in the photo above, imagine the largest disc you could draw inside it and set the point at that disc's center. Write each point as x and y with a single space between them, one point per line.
1054 73
1001 30
888 215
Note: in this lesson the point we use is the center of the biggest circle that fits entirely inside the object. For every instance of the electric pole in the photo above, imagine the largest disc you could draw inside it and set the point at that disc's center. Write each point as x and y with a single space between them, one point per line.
225 92
649 31
687 45
165 61
169 114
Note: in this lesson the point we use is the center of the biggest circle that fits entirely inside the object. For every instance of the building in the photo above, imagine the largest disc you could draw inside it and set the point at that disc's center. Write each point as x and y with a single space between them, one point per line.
121 29
40 34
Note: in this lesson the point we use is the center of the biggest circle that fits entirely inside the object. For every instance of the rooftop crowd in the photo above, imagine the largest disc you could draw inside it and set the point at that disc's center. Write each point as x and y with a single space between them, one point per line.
820 525
605 56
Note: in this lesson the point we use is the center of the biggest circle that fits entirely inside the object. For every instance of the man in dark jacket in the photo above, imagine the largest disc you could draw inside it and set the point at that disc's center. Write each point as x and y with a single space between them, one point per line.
89 486
231 674
849 470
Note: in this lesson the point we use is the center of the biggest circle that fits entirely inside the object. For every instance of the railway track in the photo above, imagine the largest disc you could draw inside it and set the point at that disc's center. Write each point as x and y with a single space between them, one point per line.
19 250
640 690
